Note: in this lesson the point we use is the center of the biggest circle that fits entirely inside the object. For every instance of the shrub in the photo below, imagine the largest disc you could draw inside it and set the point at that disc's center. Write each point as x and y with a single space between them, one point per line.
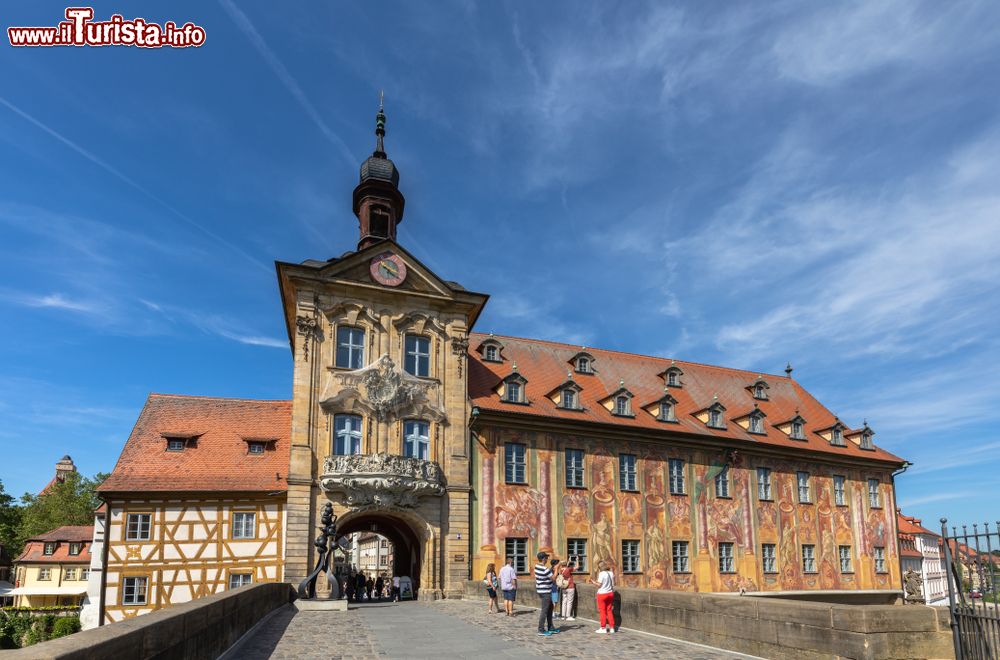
65 625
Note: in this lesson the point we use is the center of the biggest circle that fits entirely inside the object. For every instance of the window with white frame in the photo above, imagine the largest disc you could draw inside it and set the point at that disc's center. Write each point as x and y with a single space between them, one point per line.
673 378
85 574
237 580
679 556
49 549
417 360
574 468
513 392
576 552
491 354
350 347
416 441
583 364
879 555
244 525
630 556
627 471
808 558
874 496
839 490
676 468
764 484
346 435
255 447
568 398
844 551
758 391
797 430
622 405
515 463
45 573
137 526
70 574
134 590
715 418
722 483
727 563
802 478
837 436
866 441
667 413
518 550
176 444
756 424
768 558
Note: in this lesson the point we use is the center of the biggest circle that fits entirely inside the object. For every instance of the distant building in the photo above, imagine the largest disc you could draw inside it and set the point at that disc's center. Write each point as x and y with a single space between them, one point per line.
54 568
375 554
921 552
64 468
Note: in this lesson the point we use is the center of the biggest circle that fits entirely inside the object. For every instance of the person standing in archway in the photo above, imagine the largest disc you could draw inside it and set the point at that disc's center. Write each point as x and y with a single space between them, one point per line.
508 584
379 583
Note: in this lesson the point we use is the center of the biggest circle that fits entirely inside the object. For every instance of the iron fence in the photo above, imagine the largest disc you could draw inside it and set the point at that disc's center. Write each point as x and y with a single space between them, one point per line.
973 561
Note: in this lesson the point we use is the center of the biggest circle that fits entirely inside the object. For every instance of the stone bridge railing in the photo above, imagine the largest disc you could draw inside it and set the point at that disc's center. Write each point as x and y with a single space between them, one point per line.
199 630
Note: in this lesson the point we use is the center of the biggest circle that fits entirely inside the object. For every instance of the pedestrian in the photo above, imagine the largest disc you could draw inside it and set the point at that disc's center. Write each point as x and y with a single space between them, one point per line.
395 588
359 585
508 585
543 587
349 588
492 583
369 587
605 597
555 564
569 591
379 583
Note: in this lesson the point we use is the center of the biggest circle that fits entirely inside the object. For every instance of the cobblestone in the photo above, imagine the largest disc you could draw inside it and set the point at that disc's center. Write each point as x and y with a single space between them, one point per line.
448 629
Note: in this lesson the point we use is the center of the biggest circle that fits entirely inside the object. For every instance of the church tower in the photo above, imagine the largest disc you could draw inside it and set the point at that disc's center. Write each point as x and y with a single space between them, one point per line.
377 200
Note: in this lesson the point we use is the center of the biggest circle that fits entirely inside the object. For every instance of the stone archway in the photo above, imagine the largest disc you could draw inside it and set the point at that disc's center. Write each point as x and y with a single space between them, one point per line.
410 539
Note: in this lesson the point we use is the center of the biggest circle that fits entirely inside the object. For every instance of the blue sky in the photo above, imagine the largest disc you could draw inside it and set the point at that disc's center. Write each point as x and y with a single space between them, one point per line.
738 185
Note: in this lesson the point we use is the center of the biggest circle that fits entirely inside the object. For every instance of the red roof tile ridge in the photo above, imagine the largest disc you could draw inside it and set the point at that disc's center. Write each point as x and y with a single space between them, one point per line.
577 347
205 397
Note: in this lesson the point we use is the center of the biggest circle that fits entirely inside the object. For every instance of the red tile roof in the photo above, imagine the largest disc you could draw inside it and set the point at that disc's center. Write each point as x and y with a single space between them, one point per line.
909 525
34 550
545 364
217 459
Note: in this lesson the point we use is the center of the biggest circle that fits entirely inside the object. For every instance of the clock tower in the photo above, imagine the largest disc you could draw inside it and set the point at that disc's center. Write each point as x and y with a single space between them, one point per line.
377 200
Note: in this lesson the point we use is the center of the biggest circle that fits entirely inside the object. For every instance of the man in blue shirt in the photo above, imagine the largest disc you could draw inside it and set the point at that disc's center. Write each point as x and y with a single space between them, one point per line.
544 587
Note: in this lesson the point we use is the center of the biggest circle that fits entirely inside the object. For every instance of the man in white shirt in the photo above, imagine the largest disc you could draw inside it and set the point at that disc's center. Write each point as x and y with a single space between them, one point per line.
508 585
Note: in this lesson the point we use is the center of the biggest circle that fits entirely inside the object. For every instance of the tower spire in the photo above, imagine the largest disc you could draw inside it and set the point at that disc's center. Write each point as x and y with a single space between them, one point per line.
377 200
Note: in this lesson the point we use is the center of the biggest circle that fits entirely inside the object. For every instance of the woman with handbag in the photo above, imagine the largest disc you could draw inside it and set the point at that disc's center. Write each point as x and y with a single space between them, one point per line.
492 584
605 583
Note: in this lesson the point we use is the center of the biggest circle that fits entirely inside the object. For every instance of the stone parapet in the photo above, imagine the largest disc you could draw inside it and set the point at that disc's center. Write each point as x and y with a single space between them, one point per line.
772 627
198 630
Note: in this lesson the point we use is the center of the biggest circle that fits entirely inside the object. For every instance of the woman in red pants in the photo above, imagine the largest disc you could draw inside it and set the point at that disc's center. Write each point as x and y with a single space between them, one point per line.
605 583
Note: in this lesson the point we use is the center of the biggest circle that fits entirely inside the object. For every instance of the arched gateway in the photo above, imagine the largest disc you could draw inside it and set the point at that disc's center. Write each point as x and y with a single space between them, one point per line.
401 529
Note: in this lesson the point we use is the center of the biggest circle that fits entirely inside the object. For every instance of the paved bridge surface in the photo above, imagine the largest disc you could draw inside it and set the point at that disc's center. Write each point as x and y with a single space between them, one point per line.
447 629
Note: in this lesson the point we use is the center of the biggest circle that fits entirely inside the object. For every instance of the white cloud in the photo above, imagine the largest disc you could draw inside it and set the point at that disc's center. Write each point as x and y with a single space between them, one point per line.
59 301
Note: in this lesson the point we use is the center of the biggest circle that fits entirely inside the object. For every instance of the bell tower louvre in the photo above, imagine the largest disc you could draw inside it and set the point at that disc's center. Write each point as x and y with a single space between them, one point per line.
377 200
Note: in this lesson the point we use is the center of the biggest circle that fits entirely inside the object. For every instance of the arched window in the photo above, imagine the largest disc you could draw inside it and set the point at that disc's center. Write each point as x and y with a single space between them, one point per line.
837 436
797 430
569 398
622 405
347 434
672 378
715 418
418 356
416 441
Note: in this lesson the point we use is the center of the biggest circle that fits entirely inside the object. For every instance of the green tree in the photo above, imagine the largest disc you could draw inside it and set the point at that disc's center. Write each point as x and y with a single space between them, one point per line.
10 521
70 502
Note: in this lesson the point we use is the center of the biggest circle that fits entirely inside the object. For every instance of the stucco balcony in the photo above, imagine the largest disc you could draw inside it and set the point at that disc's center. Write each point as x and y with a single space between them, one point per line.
384 480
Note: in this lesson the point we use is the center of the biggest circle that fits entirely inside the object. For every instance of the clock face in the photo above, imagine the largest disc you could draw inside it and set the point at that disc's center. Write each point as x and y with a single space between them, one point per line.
388 269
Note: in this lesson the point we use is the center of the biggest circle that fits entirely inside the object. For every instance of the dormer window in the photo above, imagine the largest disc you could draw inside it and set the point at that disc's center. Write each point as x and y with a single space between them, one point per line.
866 440
622 406
255 448
756 424
797 430
837 436
568 398
175 444
667 413
514 388
513 392
672 376
491 350
49 549
759 389
75 548
715 418
491 354
583 363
